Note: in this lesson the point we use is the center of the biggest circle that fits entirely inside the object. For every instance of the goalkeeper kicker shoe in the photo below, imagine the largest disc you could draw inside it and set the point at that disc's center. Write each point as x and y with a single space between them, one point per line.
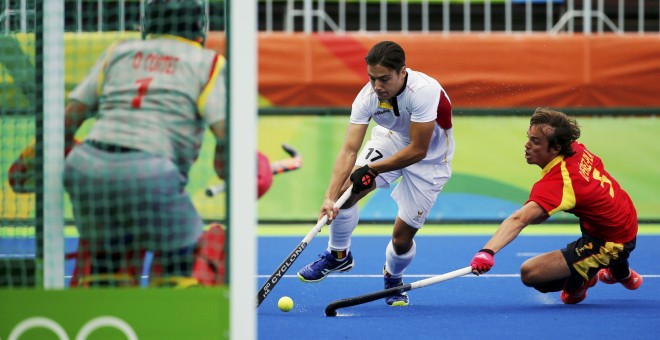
571 297
633 281
326 264
398 299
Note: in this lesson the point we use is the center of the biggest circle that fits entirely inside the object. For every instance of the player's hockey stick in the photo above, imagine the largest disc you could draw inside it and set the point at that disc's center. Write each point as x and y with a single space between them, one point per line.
331 309
288 164
294 162
274 278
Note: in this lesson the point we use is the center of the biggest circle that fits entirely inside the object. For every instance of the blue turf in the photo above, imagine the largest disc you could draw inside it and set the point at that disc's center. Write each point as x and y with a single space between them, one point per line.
495 306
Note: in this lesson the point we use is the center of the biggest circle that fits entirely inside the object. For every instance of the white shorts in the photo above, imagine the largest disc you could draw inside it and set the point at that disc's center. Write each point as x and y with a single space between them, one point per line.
420 183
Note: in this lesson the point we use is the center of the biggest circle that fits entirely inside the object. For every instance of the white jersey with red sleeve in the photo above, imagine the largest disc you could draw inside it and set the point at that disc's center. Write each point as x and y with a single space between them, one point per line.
422 100
156 95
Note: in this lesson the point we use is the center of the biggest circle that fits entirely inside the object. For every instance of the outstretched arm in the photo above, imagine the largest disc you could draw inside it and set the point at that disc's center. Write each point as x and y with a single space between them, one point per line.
507 232
513 225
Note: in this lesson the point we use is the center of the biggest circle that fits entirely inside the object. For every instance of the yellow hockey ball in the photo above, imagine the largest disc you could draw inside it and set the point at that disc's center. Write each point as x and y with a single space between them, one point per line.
285 303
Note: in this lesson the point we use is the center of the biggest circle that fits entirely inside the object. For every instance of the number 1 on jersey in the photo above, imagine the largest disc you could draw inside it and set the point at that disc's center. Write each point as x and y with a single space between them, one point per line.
142 91
603 179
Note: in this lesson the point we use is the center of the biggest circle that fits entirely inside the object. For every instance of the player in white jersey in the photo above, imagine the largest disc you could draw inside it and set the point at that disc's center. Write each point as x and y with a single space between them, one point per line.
152 100
413 141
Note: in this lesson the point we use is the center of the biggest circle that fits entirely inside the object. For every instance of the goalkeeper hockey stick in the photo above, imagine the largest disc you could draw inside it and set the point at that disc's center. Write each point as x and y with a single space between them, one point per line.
274 278
331 309
294 162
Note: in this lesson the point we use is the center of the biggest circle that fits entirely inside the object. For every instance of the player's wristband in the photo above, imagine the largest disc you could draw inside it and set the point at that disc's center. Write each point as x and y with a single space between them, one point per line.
492 253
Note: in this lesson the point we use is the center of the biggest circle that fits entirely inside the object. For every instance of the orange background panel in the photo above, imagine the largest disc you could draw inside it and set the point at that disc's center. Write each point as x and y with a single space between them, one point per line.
477 70
629 70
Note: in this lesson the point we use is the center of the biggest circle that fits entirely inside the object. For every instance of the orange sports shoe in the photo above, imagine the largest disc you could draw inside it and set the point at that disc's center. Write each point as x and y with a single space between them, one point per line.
571 297
633 281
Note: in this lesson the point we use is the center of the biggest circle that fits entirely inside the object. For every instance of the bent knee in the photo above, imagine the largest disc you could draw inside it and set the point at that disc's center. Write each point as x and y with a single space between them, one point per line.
529 275
532 276
401 247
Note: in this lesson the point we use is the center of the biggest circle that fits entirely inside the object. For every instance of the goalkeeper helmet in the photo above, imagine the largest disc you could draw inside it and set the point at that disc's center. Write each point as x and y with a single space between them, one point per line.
184 18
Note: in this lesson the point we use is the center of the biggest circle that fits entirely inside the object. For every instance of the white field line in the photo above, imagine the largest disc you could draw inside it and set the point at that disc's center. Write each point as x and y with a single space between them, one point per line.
424 276
420 276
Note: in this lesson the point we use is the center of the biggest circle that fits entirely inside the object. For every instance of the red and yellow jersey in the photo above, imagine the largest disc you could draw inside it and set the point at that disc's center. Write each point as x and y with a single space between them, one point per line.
580 185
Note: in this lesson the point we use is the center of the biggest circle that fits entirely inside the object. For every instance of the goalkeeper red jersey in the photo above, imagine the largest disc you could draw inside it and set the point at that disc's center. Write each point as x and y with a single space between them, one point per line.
580 185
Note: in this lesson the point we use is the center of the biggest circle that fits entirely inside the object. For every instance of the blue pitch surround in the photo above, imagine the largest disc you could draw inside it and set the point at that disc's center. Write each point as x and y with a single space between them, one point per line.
492 306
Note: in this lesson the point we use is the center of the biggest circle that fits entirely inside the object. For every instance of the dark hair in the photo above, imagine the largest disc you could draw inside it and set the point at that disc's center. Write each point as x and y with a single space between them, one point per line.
184 18
565 129
388 54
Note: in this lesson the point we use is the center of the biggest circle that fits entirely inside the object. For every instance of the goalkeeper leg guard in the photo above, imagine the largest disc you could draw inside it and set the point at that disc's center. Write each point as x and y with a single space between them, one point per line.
209 266
102 269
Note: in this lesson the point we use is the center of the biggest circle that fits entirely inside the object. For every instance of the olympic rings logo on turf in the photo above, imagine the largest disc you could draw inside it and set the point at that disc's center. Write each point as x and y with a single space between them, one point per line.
86 330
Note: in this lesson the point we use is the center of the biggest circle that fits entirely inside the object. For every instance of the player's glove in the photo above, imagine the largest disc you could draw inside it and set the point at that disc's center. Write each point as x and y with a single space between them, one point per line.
363 178
21 173
483 261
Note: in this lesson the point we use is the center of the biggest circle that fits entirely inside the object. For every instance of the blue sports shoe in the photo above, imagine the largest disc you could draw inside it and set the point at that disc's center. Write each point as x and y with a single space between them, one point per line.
398 299
326 264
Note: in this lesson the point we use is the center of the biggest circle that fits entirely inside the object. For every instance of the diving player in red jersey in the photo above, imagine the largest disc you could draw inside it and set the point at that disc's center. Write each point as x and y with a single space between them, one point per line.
573 180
